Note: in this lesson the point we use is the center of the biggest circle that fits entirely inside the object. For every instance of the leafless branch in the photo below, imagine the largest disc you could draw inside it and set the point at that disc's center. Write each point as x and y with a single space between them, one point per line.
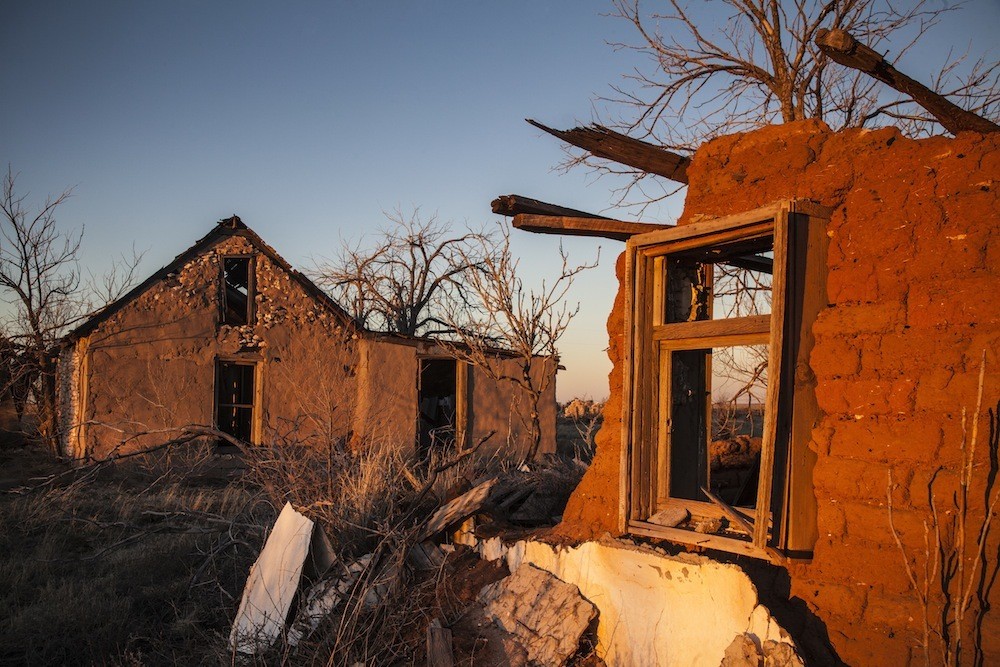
410 277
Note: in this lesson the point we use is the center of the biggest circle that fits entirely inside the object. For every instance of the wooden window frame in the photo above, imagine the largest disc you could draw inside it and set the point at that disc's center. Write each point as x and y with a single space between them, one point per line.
256 418
783 524
251 313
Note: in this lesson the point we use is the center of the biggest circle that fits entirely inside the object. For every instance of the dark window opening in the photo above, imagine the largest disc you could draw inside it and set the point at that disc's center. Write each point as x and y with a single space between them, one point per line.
716 422
234 399
237 299
438 406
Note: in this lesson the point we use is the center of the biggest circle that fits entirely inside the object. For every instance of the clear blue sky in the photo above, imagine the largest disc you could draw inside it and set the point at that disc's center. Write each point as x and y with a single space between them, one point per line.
309 119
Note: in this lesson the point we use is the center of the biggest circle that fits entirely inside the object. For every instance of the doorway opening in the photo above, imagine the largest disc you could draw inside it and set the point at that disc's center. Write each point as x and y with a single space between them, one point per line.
437 401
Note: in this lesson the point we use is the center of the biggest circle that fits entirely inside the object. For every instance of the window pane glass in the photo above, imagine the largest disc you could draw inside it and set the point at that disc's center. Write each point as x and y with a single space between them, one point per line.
236 271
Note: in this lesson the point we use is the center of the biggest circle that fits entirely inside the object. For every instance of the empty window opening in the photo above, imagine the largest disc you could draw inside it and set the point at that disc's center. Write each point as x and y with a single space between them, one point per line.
237 297
438 406
234 399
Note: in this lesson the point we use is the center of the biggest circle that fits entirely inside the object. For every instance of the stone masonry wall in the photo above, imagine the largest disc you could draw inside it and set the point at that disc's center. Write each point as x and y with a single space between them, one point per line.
913 296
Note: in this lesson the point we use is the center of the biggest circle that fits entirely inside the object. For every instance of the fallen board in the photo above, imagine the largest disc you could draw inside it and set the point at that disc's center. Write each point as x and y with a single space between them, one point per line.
272 584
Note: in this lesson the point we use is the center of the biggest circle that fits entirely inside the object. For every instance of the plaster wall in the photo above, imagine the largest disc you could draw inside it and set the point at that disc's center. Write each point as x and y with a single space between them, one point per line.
151 365
389 407
655 609
912 307
505 408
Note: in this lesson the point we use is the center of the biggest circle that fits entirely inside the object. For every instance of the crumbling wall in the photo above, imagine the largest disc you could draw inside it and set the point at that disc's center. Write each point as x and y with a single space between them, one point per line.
912 307
151 365
389 369
655 609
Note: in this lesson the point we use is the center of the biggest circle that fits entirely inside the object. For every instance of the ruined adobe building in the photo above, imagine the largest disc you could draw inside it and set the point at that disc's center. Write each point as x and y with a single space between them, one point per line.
228 334
891 300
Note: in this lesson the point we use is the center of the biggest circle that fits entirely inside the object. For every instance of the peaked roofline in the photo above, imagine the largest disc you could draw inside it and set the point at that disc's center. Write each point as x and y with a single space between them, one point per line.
226 228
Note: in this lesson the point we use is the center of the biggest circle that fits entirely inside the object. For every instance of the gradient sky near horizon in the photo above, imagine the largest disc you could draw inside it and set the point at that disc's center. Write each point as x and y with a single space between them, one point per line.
310 119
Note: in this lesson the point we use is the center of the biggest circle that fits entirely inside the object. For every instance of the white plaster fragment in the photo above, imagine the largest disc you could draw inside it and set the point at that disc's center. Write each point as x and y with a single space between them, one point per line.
655 609
272 584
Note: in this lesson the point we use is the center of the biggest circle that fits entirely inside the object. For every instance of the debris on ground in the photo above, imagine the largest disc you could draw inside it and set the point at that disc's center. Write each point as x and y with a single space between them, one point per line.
477 613
275 579
546 615
745 652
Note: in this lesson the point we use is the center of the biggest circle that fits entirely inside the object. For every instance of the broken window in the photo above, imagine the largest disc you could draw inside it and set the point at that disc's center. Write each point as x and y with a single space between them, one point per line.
237 290
719 419
235 399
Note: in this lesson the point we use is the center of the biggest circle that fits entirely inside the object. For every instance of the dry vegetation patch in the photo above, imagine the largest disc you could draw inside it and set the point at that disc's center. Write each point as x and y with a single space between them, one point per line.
114 568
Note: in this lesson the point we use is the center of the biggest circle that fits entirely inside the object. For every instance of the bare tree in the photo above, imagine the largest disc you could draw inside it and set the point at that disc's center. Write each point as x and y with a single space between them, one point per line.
512 321
735 65
410 277
40 279
762 65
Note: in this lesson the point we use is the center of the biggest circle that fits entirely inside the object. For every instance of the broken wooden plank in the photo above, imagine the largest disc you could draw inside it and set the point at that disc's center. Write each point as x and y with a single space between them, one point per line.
610 145
458 509
570 226
439 649
731 513
842 47
546 615
511 205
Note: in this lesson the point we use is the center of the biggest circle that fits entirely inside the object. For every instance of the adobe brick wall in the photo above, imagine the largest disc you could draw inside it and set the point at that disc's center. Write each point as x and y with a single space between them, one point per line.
914 301
152 364
151 367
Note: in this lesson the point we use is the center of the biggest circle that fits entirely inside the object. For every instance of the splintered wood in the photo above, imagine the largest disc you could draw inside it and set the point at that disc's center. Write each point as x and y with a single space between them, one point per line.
465 505
545 615
439 651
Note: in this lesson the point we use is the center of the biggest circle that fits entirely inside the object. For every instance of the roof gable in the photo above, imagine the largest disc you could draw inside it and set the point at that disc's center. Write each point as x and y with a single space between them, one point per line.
227 228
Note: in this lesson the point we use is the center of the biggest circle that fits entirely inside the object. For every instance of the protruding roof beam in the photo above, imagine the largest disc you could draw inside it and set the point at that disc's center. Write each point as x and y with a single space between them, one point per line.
577 226
610 145
841 47
516 205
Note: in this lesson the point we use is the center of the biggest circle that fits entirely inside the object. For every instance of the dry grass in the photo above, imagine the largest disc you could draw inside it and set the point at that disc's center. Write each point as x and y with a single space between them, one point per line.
144 562
101 569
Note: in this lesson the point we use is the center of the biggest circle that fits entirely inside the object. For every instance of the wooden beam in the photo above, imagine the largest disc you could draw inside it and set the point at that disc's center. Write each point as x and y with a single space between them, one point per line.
610 145
576 226
753 263
841 47
516 204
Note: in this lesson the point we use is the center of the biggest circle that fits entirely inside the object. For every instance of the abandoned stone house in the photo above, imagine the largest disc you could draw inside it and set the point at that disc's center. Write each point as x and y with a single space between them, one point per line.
229 334
879 255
